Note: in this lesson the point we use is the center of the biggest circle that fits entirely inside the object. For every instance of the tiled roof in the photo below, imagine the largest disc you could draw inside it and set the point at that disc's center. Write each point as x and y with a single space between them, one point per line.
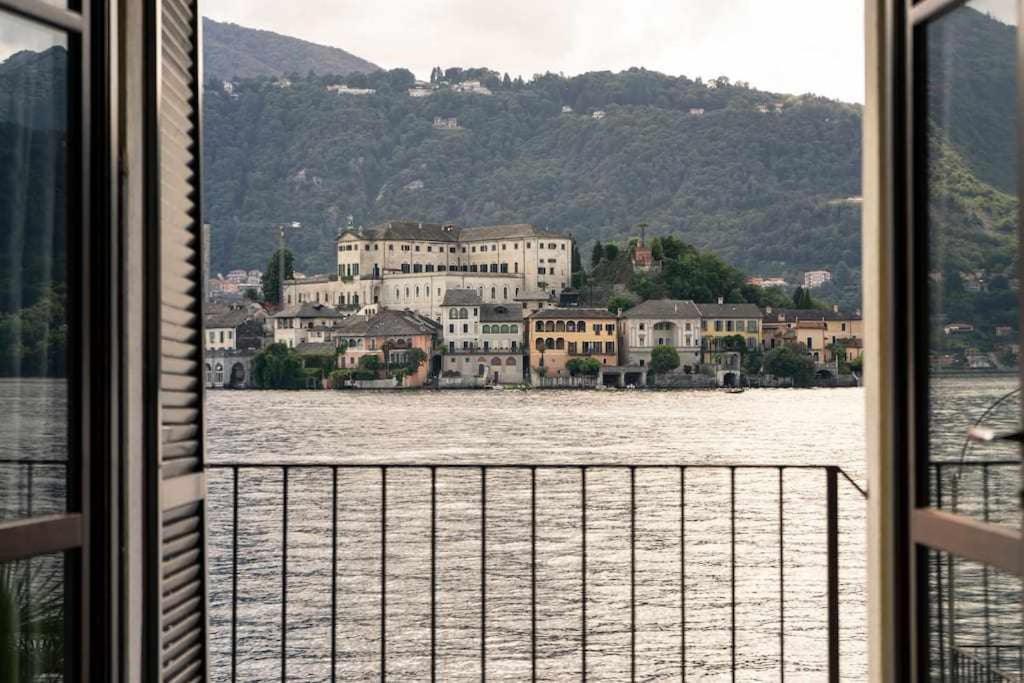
572 314
664 308
390 322
461 297
729 310
793 314
231 317
502 313
439 232
308 310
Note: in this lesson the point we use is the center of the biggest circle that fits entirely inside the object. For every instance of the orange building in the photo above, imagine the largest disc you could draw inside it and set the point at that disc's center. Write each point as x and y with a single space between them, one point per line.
558 335
392 332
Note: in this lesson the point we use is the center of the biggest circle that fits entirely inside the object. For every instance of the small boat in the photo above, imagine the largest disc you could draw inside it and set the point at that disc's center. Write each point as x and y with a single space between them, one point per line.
734 390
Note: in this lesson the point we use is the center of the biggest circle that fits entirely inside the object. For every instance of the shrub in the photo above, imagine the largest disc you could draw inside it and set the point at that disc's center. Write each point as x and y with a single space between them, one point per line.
664 358
278 367
339 377
586 367
788 362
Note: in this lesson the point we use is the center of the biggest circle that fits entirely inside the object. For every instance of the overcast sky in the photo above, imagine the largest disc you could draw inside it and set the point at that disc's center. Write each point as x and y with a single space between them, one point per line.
791 46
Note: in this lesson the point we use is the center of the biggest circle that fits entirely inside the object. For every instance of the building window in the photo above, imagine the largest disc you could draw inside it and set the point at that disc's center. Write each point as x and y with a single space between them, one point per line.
549 326
718 326
728 326
542 271
539 344
572 347
549 343
581 326
538 326
751 326
560 344
609 347
560 326
504 329
494 293
610 329
487 329
465 329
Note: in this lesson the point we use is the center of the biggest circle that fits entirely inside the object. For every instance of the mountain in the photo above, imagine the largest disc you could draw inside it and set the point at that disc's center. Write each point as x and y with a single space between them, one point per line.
233 51
714 163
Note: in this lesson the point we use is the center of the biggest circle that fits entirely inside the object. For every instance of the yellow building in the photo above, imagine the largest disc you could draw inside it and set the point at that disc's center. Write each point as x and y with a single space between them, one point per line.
558 335
721 320
819 331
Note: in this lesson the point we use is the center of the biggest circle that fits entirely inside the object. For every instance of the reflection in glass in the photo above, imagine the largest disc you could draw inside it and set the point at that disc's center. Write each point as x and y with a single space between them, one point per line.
32 619
971 211
975 620
33 280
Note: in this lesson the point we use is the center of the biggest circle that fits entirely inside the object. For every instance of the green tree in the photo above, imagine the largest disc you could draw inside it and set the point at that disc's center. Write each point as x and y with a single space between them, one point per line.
577 260
271 281
370 364
620 303
664 358
585 367
414 360
278 367
597 255
752 361
611 252
789 363
657 253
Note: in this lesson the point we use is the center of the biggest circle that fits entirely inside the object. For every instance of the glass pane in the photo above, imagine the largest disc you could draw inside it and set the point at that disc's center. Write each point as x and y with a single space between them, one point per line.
33 282
976 628
969 119
32 619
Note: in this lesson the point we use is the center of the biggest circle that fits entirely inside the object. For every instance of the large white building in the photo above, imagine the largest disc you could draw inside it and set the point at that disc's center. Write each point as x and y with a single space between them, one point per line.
413 265
662 322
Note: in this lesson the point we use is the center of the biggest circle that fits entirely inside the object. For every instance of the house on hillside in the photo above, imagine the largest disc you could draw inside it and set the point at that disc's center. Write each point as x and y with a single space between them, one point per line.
446 123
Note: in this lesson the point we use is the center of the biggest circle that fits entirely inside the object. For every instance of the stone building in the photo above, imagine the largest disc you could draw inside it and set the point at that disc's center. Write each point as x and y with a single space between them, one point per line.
389 335
557 335
307 322
658 322
720 321
482 340
412 266
819 331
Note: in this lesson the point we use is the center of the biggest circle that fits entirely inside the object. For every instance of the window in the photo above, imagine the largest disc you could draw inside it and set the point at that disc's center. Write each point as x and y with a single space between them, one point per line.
504 329
542 271
570 326
417 247
560 344
609 347
494 294
487 329
643 326
549 326
728 326
581 326
539 344
572 347
718 326
417 268
560 326
465 328
610 329
451 328
549 343
538 326
751 326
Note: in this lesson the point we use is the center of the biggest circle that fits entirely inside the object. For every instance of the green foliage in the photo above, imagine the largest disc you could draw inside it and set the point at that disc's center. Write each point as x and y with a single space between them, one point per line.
414 360
597 255
33 341
611 252
278 367
752 362
271 281
339 377
734 343
802 299
664 358
620 303
583 367
790 363
370 364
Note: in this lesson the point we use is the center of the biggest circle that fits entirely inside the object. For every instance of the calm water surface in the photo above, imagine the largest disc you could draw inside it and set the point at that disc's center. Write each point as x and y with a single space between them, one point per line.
820 427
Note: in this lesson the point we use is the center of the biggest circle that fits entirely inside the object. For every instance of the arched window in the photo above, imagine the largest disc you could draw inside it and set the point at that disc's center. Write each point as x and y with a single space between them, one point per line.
511 360
581 326
463 313
417 292
355 299
341 299
453 314
209 373
487 329
504 292
512 329
495 361
539 327
218 376
397 294
549 326
549 343
560 344
494 293
570 326
504 329
560 326
540 344
406 292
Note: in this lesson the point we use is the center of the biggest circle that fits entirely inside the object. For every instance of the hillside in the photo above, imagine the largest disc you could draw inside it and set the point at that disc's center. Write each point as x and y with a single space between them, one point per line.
764 189
233 51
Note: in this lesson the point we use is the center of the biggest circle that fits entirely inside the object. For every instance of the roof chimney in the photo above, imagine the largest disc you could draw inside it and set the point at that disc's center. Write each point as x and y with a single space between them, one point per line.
618 313
768 310
721 300
835 308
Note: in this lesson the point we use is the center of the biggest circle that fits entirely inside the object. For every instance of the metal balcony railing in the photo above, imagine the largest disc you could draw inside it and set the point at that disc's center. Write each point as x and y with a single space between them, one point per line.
496 555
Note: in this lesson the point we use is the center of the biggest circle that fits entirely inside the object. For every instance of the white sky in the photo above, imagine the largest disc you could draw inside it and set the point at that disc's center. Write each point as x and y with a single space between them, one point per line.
791 46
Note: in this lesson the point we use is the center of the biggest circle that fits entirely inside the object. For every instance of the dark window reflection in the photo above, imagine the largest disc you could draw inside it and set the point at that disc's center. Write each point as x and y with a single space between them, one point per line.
969 120
32 620
33 280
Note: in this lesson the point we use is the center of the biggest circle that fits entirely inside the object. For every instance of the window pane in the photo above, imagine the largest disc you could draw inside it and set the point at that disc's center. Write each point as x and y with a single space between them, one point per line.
33 323
974 613
32 619
969 119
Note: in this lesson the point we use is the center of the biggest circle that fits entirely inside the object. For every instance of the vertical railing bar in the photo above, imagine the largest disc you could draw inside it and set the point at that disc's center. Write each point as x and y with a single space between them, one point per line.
433 574
732 568
938 585
334 573
682 573
632 573
533 573
234 575
984 569
383 571
583 567
832 495
483 573
284 577
782 578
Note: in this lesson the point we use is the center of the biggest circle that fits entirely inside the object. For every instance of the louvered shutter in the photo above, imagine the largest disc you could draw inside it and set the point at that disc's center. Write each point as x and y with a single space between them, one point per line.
180 569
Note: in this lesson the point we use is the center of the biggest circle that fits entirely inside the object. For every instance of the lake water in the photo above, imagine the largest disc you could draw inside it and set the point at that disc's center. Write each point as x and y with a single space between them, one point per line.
769 427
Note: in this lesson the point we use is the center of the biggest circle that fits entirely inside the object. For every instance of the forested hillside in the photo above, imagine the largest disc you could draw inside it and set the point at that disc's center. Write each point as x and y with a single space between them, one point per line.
233 51
767 190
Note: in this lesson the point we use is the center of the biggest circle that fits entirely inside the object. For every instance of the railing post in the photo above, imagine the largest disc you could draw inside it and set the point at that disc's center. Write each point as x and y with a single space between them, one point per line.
383 571
284 578
234 576
533 573
583 567
832 496
334 573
